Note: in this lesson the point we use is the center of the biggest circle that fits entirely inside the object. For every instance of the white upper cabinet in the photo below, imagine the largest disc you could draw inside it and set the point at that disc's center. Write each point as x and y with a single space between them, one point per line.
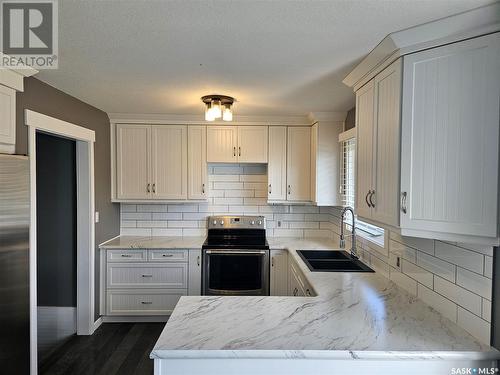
133 180
244 144
222 144
7 120
299 163
276 169
169 161
197 162
252 144
365 99
450 141
386 176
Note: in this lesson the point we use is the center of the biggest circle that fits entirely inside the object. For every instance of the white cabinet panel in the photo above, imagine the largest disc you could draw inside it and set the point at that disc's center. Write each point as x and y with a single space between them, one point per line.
222 144
127 255
252 144
197 162
132 275
143 302
299 164
133 161
450 136
159 255
279 273
169 161
194 280
384 199
7 119
364 147
276 169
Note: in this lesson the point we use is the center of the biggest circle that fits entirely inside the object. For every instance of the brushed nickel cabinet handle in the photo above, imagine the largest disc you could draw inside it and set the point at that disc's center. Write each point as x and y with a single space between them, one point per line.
308 292
167 255
289 189
403 201
148 188
154 188
126 256
147 303
295 292
366 198
198 260
234 151
272 262
269 188
203 188
147 275
239 151
371 196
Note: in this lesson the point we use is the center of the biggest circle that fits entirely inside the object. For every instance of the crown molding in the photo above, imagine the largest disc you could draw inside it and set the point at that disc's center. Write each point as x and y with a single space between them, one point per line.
470 24
199 119
326 116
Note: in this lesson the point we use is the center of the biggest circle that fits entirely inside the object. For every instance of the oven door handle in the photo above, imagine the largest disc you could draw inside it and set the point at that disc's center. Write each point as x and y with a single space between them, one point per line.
229 252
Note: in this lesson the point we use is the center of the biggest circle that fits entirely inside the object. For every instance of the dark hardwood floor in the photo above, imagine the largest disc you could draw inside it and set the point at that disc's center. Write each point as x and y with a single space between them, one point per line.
115 348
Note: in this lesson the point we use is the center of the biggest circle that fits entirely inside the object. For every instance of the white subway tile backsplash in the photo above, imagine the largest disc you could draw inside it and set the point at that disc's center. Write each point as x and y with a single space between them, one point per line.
167 215
128 207
437 302
183 224
486 310
182 208
304 209
151 224
473 324
415 272
475 283
459 295
254 178
289 217
128 224
238 193
483 249
228 201
488 267
421 244
304 225
166 232
136 216
151 208
436 266
403 251
325 233
146 232
460 256
403 281
280 232
224 177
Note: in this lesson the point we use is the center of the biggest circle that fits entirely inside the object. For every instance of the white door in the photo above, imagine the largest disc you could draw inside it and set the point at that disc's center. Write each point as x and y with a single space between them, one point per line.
133 161
385 196
279 273
252 144
7 120
169 161
222 144
197 162
276 168
299 163
450 135
364 148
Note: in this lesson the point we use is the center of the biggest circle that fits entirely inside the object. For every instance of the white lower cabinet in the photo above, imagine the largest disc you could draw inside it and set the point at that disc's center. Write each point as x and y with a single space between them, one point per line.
148 282
279 273
298 286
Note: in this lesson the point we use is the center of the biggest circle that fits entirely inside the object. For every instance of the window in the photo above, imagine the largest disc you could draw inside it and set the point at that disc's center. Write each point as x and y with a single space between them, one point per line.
348 189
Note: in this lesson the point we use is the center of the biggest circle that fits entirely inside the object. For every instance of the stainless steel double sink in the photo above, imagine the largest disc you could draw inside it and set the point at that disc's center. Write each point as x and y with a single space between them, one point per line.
332 261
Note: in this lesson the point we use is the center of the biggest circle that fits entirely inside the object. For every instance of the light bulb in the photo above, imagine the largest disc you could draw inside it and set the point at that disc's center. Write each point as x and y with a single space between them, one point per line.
216 109
208 113
227 115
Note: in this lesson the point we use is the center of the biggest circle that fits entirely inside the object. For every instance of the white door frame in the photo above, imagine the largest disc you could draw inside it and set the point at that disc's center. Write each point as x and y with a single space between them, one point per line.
85 139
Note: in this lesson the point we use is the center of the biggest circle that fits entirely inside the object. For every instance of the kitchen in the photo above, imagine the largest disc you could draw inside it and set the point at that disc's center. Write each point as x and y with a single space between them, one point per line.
203 223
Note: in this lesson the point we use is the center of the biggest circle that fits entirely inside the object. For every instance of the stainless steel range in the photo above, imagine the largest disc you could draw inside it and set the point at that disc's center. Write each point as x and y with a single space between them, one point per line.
236 256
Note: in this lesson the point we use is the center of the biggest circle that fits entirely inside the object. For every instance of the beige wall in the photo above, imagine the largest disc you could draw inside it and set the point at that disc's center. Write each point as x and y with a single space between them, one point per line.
41 97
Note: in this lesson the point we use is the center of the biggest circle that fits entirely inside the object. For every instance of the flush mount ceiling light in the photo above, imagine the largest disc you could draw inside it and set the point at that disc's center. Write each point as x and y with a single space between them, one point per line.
218 106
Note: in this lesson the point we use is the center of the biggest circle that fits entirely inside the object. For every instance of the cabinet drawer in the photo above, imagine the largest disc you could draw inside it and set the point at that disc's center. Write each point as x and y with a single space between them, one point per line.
172 276
168 255
143 302
127 255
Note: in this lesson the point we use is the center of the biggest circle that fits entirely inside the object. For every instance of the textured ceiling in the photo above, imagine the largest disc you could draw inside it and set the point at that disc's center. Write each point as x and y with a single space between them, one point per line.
276 57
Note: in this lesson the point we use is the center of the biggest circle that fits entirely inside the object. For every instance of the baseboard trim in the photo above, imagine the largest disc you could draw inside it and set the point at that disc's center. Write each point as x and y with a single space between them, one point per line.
135 319
97 324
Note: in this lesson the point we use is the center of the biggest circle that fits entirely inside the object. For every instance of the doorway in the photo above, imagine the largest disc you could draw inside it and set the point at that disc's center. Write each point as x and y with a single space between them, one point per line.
82 140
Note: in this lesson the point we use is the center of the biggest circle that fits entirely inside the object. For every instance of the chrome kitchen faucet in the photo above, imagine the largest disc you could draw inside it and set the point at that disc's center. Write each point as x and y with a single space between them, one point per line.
353 234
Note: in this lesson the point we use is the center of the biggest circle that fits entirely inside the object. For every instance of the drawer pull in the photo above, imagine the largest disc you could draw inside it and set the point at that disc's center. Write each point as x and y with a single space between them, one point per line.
167 255
147 303
126 256
198 260
147 275
295 292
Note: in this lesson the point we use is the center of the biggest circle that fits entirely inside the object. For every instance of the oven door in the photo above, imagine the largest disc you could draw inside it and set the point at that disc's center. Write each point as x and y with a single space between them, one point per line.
236 272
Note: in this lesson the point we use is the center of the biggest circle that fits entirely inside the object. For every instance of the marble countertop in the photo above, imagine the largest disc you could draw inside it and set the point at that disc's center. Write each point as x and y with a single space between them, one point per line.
353 316
160 242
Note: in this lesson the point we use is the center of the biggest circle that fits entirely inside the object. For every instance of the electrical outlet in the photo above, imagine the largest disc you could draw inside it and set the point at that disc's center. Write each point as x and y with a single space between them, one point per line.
398 262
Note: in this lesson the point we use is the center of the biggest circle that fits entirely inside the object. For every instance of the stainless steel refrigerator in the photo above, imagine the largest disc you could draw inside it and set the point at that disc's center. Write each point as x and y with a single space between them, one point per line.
14 264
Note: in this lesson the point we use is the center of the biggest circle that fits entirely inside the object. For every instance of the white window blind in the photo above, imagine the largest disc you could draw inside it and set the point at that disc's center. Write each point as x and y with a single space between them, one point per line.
347 177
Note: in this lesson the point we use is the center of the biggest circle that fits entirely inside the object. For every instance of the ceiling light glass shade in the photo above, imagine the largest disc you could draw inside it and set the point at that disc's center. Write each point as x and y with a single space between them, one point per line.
208 113
216 109
227 115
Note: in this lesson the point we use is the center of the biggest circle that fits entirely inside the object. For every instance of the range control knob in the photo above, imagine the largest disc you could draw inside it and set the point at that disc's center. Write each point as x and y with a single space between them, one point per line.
260 222
215 222
252 222
222 222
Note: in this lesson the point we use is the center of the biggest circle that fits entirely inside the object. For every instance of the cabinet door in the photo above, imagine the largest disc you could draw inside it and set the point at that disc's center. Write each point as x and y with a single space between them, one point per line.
252 144
299 163
385 196
364 148
194 281
133 161
450 135
7 119
279 273
221 144
197 162
276 168
169 161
